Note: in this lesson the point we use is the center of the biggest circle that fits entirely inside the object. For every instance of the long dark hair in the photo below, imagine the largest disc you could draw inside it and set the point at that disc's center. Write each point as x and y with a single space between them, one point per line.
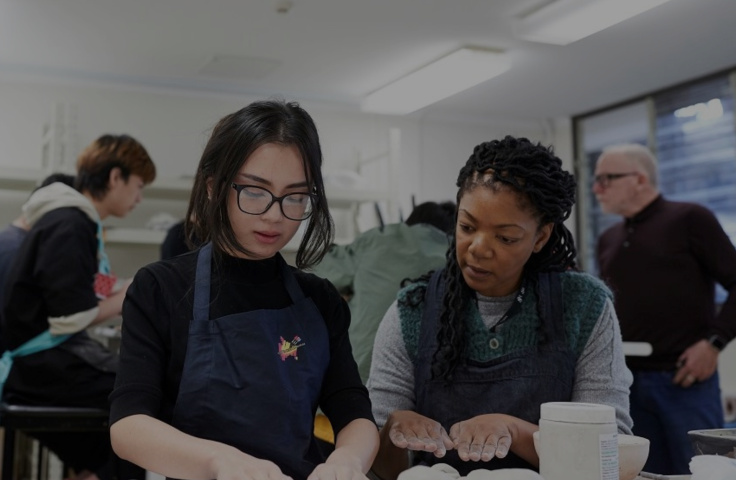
235 137
543 188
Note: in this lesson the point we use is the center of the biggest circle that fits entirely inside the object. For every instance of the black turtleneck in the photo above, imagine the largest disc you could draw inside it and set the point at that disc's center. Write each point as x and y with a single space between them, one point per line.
662 265
158 310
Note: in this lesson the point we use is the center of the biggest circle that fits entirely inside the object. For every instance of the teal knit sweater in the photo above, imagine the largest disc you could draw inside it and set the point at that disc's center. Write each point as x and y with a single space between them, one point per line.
584 298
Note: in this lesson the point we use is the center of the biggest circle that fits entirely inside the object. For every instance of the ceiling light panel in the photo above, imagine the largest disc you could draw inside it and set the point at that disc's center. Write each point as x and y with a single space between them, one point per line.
449 75
566 21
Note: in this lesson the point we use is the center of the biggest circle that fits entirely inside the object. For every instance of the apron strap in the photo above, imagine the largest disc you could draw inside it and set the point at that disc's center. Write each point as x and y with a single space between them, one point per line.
201 308
550 295
202 284
43 341
290 282
557 302
104 262
430 318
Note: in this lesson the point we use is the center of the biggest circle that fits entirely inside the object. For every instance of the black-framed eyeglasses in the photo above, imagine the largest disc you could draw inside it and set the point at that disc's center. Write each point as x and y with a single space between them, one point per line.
605 179
257 200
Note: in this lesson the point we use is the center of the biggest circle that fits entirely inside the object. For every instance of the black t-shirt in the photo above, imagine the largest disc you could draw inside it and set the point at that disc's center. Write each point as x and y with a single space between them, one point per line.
10 241
156 317
53 274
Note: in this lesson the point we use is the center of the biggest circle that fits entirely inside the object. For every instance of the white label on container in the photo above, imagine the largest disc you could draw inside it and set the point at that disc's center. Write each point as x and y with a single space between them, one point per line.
609 456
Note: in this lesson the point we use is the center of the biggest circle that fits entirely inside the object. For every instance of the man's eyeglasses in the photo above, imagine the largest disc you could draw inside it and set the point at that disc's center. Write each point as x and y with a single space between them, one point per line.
605 179
257 200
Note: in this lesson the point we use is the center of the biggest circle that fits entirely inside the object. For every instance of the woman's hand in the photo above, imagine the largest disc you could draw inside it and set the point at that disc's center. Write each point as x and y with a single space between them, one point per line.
484 437
355 448
332 470
236 465
412 431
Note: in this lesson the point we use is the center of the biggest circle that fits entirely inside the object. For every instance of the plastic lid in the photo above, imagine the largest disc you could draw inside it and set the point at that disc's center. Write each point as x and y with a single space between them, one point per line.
578 412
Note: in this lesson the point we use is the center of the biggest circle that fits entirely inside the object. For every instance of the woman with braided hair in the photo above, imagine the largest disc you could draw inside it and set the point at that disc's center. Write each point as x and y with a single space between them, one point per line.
466 355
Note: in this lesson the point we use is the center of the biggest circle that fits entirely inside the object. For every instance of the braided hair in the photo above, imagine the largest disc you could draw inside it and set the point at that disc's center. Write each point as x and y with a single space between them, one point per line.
544 189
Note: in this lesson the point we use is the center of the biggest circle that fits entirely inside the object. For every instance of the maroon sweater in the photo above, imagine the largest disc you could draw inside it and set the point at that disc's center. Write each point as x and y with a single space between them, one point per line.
662 265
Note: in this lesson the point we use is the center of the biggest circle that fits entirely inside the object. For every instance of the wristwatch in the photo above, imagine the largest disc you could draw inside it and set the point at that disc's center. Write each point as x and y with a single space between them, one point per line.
717 341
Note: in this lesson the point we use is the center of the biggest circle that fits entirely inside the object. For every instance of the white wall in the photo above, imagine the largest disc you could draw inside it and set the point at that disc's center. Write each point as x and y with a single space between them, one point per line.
561 129
174 126
446 146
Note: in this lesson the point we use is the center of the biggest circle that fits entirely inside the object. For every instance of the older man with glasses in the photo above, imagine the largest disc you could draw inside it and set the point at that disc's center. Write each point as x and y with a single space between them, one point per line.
662 262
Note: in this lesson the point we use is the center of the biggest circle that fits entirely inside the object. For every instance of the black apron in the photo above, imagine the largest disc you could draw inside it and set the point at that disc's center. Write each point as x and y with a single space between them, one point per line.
92 352
252 380
515 384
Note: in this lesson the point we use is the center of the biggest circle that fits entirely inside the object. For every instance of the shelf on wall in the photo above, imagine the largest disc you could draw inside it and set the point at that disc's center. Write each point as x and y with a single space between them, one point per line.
337 197
18 178
140 236
170 188
342 197
26 179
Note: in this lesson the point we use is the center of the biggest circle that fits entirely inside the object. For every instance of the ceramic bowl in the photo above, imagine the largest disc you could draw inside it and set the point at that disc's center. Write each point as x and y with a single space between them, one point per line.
719 441
632 454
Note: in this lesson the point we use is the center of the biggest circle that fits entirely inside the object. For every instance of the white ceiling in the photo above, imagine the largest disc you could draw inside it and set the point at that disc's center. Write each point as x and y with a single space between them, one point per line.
340 50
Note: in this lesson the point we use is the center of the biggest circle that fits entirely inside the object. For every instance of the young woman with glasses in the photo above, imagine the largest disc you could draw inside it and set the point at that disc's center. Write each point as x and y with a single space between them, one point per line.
227 351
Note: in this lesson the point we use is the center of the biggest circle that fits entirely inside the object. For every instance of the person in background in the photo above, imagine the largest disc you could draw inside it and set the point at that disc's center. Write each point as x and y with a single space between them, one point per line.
227 352
662 262
467 354
13 235
371 268
60 284
175 242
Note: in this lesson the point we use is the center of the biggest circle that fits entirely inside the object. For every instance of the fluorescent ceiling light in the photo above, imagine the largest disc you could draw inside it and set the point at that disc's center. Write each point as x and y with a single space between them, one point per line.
565 21
447 76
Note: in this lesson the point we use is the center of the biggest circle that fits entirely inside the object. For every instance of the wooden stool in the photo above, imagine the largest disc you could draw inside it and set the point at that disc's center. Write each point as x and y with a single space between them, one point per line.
28 419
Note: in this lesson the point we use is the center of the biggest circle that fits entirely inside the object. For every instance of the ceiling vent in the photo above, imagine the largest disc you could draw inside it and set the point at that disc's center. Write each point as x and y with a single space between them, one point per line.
232 66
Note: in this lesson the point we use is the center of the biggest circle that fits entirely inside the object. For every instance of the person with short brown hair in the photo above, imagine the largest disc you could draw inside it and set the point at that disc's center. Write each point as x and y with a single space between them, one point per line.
60 284
109 152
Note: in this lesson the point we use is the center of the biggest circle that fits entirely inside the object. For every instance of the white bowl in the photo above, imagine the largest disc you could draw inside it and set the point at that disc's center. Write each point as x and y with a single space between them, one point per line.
717 441
632 454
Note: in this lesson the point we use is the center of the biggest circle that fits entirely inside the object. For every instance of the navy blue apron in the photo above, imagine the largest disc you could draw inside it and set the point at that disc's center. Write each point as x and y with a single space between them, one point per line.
514 384
252 380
